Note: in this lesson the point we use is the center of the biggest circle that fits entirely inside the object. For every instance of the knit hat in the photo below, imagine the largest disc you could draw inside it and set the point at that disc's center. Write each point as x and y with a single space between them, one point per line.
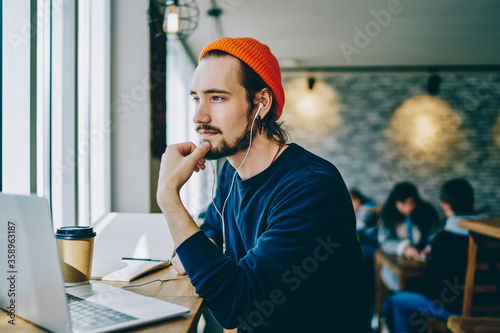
256 55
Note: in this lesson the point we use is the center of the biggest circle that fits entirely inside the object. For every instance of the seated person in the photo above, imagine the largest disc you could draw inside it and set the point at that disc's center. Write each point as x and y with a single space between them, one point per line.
407 222
366 217
366 227
446 264
282 255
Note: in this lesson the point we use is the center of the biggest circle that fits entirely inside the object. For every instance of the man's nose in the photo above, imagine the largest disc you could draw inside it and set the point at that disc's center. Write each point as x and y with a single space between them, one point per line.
201 114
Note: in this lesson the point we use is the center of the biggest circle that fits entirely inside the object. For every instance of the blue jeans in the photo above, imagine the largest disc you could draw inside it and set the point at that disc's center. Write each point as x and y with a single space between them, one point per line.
409 312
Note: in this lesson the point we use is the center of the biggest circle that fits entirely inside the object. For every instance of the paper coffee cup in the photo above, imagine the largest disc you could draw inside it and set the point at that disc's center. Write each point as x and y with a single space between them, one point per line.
76 247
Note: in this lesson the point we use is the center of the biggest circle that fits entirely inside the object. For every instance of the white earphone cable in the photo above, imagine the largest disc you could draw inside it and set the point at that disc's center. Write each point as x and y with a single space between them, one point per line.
232 183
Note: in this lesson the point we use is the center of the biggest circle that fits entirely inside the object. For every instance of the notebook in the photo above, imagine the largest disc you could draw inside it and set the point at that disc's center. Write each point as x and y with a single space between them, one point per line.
129 245
35 290
124 270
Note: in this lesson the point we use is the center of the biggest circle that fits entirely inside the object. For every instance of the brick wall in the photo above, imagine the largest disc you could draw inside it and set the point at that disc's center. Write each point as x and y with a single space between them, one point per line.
381 128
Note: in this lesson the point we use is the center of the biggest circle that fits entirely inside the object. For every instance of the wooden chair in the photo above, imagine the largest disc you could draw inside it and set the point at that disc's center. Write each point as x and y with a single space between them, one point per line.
435 325
482 278
481 302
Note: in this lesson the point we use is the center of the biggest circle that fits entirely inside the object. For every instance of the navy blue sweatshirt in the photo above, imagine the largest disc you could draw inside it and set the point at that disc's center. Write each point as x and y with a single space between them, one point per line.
292 263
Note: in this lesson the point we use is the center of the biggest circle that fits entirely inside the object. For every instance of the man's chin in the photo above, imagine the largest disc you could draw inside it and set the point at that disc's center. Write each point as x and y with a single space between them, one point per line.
214 155
222 149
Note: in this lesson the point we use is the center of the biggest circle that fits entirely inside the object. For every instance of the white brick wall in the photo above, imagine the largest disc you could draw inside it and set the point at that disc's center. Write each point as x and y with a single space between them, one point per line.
373 157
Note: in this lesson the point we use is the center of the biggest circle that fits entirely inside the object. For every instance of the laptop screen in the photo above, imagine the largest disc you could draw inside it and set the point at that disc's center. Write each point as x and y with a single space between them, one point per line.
35 288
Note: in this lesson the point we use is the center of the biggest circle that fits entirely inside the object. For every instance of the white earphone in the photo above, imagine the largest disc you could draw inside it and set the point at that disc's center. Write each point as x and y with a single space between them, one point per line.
221 214
257 113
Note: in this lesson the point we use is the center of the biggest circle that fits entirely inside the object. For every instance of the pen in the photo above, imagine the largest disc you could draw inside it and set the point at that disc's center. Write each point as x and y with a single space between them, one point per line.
144 259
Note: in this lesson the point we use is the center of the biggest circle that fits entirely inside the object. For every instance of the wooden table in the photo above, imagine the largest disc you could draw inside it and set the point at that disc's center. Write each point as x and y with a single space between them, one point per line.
487 227
401 266
465 323
180 292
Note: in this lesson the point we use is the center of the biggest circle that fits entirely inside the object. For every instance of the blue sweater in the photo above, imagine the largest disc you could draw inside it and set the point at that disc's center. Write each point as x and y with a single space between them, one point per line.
292 262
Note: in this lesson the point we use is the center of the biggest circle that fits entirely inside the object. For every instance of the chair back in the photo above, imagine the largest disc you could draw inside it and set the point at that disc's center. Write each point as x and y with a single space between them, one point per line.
482 278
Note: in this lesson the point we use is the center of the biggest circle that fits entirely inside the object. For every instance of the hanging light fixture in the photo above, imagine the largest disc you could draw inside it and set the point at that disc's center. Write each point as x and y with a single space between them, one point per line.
215 12
181 17
171 21
433 84
310 82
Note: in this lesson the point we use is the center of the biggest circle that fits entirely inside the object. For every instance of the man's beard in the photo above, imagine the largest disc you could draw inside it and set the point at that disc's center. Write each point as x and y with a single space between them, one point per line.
224 149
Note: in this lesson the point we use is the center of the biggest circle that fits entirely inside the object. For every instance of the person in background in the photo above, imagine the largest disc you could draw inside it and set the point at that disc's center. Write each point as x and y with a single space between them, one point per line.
367 216
407 223
446 263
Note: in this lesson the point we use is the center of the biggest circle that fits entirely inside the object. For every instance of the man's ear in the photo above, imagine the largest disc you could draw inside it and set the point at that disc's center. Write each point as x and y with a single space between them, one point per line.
264 96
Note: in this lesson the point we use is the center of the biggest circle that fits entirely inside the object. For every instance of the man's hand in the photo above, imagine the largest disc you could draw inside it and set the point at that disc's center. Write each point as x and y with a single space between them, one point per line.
177 165
177 264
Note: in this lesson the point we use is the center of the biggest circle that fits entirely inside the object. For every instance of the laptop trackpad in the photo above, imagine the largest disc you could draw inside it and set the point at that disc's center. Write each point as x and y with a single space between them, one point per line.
139 306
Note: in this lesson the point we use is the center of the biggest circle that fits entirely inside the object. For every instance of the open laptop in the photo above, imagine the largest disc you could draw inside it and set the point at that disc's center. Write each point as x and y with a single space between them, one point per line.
35 291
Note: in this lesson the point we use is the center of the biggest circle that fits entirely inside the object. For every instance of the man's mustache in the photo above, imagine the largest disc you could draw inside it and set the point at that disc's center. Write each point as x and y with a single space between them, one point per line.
204 127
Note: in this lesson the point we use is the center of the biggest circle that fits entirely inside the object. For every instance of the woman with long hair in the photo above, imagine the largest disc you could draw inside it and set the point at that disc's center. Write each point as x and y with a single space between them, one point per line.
407 222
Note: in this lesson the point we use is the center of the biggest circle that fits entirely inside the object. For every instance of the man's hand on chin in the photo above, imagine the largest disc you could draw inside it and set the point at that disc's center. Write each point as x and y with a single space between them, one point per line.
177 165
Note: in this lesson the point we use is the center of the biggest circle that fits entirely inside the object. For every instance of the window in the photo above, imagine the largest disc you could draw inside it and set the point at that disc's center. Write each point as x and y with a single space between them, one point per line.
65 83
17 111
55 113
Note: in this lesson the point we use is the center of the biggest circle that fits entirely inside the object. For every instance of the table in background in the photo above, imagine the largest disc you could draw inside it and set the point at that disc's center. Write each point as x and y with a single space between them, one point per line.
179 292
402 267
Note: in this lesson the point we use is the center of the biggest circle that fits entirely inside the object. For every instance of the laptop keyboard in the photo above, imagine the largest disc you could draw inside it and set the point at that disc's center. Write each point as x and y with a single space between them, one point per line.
87 316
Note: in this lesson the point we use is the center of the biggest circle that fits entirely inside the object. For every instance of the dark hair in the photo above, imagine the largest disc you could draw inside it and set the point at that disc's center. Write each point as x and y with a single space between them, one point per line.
400 192
424 216
356 194
458 193
253 83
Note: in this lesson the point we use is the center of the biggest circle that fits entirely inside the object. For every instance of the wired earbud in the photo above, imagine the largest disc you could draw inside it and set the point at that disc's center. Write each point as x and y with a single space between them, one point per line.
257 113
221 214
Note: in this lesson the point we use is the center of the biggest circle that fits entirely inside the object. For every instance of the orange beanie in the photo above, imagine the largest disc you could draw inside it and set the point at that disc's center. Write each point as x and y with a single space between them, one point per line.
256 55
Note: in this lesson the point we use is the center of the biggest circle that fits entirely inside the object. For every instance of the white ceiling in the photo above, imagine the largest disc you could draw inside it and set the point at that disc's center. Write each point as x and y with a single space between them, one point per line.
310 33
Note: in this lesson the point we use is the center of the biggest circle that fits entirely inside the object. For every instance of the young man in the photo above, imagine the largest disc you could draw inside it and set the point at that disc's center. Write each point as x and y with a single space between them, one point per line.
277 251
446 264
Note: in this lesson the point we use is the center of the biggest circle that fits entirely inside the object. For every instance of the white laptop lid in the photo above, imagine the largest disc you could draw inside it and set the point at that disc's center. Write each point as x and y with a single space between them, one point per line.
37 291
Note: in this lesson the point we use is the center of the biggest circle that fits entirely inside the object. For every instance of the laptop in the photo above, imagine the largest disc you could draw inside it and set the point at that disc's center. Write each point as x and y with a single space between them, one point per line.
35 291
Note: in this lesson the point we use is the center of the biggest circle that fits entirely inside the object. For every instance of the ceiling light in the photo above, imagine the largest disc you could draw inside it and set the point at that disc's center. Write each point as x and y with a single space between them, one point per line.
171 22
181 17
310 82
433 84
214 12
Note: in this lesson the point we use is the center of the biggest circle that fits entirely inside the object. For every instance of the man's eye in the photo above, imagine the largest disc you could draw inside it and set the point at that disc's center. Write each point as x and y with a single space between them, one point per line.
196 99
217 98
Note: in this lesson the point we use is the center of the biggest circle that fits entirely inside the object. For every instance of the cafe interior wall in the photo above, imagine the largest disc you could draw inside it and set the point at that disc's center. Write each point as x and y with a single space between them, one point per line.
382 128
